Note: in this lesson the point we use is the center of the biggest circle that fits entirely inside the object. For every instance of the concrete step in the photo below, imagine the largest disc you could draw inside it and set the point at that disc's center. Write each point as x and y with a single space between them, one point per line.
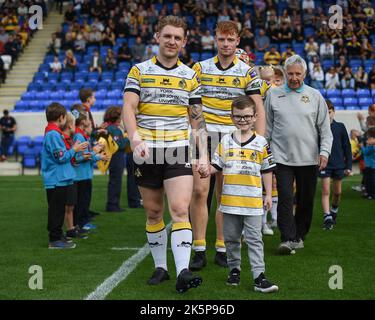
10 168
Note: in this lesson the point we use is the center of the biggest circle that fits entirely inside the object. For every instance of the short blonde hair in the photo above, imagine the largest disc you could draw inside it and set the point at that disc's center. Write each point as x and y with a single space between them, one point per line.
173 21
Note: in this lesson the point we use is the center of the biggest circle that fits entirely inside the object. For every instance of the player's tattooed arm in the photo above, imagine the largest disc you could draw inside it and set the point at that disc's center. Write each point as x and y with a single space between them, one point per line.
198 125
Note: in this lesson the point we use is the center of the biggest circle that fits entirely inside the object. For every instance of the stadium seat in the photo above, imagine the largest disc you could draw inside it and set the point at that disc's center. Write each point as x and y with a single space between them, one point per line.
332 93
365 101
66 76
336 100
354 107
348 93
28 96
57 95
195 56
117 86
103 85
350 102
115 94
21 106
42 95
76 85
339 107
206 55
326 64
34 86
363 93
323 92
93 75
30 159
63 86
22 143
92 83
355 63
47 86
35 105
100 94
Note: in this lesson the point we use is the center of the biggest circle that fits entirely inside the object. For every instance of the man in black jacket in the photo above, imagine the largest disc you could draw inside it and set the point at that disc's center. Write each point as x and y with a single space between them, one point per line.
339 165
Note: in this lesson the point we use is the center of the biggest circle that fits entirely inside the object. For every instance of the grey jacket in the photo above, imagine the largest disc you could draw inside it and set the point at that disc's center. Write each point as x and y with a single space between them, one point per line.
298 126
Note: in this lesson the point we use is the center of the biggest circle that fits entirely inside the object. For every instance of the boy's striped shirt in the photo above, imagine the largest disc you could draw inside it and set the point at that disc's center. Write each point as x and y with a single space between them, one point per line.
242 165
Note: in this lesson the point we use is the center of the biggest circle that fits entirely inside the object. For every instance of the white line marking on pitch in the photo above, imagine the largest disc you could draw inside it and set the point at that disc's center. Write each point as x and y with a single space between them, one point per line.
129 249
121 273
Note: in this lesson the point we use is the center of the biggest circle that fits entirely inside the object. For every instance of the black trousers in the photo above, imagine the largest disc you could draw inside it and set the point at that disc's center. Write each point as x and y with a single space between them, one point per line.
295 227
82 209
370 181
134 197
6 142
56 199
116 171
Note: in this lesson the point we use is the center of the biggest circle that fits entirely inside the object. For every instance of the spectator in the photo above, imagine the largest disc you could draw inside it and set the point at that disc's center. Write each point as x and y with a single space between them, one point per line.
8 126
347 81
285 18
3 73
311 48
262 42
110 60
148 54
207 42
194 41
332 79
298 34
80 44
109 37
295 163
186 58
287 53
340 67
367 50
12 48
308 4
273 33
361 78
4 36
285 33
138 50
55 66
309 18
354 48
272 57
70 15
247 39
121 29
327 50
96 62
54 45
323 31
246 22
70 62
317 76
124 54
340 48
371 78
95 37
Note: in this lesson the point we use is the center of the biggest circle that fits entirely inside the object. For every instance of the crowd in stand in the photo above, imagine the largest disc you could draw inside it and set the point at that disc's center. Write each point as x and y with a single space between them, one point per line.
271 31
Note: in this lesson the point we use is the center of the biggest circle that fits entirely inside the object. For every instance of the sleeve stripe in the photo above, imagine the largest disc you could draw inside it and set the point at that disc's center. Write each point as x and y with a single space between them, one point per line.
216 167
249 93
138 92
268 170
195 101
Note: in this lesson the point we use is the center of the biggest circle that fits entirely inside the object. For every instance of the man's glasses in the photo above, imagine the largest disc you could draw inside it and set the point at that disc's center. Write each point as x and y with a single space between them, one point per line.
246 117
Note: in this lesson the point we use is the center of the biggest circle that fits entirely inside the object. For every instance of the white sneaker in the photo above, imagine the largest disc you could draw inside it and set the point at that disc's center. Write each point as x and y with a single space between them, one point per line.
286 248
273 224
266 230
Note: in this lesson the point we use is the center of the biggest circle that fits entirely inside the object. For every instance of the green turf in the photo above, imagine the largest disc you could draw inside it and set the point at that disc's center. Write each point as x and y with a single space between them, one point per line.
73 274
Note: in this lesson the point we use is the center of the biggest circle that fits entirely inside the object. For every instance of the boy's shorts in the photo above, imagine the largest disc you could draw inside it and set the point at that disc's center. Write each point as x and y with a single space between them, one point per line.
152 173
337 174
71 195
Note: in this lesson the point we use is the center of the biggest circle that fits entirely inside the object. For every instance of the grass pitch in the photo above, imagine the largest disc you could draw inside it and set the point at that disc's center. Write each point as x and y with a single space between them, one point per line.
73 274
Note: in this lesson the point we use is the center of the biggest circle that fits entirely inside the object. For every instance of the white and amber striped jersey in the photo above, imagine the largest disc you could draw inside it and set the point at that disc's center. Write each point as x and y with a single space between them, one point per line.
242 165
220 86
165 95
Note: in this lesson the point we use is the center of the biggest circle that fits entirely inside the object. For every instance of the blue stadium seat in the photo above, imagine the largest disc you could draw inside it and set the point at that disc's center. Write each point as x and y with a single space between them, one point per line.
107 75
35 105
206 55
350 101
323 92
93 75
52 76
131 41
30 158
66 76
62 86
369 63
121 75
100 94
23 143
331 93
70 95
34 86
43 95
114 94
326 64
365 101
21 105
339 107
363 93
92 83
309 32
336 101
57 95
28 96
120 102
195 56
47 86
103 85
355 63
347 93
354 107
117 86
81 75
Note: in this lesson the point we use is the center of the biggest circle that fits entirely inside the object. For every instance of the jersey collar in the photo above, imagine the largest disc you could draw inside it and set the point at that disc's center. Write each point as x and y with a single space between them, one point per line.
218 65
158 63
299 90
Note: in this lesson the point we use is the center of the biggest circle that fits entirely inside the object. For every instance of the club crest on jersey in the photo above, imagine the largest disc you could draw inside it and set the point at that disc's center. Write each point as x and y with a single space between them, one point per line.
182 84
138 173
236 82
305 99
253 156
